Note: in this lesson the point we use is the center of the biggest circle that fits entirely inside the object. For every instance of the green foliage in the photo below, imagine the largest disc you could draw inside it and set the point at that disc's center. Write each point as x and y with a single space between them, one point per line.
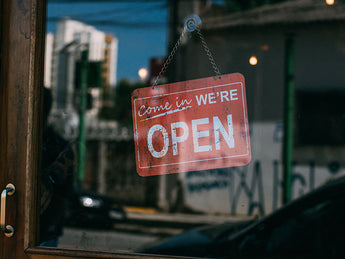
123 106
94 74
122 109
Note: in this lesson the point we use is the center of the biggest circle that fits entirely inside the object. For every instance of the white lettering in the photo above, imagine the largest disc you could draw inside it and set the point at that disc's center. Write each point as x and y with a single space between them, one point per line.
203 99
224 95
219 128
152 130
211 98
147 110
183 102
176 139
199 134
233 94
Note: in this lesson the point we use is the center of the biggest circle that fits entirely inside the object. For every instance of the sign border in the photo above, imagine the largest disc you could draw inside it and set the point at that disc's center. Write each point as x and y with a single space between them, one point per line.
194 161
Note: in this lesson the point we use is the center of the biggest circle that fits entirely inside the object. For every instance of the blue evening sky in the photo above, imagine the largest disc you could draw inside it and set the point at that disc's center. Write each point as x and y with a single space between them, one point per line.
140 26
141 29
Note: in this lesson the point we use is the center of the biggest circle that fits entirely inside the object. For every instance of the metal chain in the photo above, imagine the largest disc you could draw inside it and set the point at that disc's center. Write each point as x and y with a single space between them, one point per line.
170 57
177 45
208 53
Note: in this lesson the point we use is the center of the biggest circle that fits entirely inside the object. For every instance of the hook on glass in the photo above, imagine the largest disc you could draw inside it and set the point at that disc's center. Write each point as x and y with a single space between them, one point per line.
192 22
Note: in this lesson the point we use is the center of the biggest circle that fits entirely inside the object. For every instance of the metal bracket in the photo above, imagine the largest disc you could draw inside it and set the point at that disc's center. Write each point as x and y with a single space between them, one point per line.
192 22
7 229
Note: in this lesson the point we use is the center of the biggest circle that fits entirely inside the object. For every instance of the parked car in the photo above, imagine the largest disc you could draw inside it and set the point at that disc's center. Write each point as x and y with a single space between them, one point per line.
89 209
309 227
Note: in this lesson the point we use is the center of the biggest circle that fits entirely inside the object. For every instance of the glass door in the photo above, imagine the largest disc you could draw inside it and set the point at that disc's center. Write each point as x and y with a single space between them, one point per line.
72 185
22 50
21 129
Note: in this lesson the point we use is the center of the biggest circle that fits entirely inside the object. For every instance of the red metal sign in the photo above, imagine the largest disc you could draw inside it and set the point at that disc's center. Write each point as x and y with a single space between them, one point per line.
193 125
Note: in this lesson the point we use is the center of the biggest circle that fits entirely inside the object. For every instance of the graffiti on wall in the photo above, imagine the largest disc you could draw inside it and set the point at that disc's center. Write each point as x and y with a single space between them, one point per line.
260 190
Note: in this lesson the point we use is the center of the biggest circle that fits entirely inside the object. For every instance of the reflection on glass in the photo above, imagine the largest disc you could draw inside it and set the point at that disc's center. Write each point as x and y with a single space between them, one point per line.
92 196
330 2
253 60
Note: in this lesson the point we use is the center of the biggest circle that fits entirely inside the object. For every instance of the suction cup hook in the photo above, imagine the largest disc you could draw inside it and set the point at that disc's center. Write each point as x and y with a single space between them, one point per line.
192 22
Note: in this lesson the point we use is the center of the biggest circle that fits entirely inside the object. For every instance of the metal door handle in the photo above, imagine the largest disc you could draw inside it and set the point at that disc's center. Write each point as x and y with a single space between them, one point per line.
9 190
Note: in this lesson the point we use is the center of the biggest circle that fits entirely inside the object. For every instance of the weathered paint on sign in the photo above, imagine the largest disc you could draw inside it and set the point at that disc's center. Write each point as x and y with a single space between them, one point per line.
192 125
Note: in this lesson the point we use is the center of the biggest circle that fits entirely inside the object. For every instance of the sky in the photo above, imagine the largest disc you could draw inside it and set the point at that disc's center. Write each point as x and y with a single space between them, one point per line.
140 27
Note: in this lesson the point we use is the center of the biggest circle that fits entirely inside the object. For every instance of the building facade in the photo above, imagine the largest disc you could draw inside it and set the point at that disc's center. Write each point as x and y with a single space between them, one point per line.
317 32
63 52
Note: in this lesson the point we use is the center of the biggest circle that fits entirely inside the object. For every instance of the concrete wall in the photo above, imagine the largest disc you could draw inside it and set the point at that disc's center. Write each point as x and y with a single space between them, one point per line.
255 189
319 59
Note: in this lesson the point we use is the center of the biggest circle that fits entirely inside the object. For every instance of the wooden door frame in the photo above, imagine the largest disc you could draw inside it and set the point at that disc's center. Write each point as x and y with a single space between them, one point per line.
22 45
22 50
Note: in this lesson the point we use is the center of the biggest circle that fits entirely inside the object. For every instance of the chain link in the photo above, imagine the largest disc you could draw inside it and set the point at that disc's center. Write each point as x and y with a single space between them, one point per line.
170 57
177 45
208 52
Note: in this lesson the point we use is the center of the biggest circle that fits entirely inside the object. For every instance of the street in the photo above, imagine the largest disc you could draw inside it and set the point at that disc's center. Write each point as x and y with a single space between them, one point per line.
139 230
104 240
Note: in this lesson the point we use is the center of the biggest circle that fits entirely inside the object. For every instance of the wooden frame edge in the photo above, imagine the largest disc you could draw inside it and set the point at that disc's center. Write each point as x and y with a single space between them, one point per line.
34 129
46 252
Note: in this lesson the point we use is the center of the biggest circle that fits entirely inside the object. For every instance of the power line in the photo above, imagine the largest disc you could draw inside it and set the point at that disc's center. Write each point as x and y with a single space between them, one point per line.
131 16
101 22
120 11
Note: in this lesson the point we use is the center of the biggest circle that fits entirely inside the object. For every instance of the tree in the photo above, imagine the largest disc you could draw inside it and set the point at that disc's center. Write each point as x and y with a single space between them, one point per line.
122 110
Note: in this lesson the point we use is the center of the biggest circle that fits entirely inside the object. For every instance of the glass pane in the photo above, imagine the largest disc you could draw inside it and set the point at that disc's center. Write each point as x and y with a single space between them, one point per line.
216 135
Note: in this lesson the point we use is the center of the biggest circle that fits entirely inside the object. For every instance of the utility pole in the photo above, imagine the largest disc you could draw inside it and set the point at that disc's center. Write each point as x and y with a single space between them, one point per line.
82 114
288 117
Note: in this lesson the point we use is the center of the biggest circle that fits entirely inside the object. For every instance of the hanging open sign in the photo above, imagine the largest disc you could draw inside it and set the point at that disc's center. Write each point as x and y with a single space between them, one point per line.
193 125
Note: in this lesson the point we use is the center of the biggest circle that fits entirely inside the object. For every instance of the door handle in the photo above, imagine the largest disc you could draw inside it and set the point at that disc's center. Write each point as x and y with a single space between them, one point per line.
7 229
